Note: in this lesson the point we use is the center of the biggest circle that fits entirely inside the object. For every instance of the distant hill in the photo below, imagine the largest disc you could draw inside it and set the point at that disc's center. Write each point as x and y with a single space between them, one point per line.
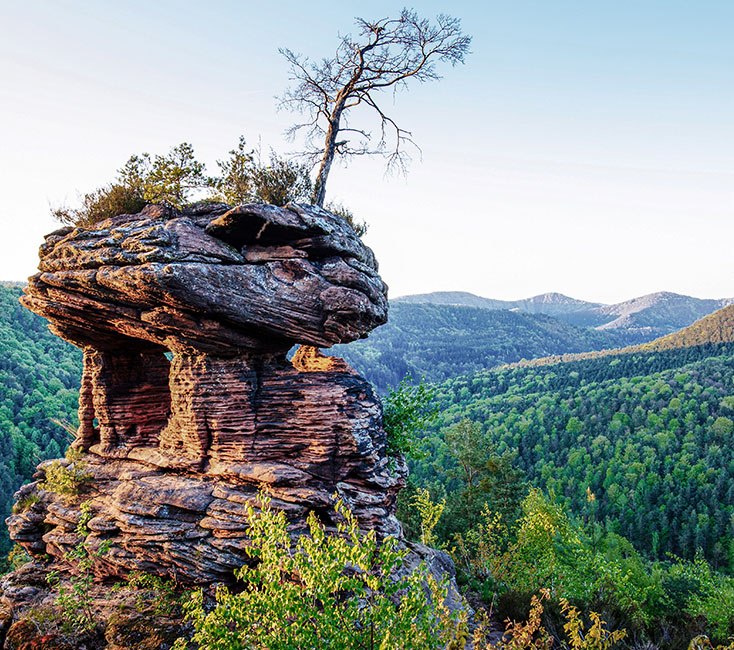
643 318
713 329
441 341
546 303
658 312
454 298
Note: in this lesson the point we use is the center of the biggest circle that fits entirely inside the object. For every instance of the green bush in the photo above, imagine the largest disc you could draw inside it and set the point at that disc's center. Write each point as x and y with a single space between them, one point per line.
26 503
75 600
177 178
101 204
151 593
66 478
337 591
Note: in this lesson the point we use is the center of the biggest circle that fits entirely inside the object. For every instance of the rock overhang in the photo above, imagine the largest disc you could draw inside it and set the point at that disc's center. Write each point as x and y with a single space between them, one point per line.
206 280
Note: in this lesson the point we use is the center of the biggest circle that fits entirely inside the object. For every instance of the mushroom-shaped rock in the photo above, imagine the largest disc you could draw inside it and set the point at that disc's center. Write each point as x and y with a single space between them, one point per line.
188 405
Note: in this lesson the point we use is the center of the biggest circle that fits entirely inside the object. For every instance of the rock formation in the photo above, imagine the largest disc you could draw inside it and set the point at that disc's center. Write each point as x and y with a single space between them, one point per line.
188 405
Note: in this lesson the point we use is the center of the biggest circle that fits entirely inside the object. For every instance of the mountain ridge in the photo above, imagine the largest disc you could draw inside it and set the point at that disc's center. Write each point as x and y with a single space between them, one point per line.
713 329
440 341
649 316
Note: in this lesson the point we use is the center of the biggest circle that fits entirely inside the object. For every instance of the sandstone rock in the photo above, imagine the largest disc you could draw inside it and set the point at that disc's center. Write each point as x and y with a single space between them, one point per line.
142 632
188 406
128 617
168 282
24 635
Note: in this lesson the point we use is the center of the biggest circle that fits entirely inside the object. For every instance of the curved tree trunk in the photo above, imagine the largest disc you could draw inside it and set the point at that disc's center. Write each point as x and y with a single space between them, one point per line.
319 190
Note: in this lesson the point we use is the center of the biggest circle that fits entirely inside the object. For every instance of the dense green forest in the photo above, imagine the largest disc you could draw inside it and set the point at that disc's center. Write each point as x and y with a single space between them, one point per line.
608 481
649 434
441 341
39 378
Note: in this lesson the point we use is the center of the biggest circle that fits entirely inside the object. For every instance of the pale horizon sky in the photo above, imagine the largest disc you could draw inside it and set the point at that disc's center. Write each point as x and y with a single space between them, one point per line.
584 148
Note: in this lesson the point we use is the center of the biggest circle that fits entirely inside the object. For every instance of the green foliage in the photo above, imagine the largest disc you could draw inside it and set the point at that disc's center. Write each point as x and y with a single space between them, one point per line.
66 478
75 601
532 635
645 434
151 594
326 590
702 642
281 181
25 503
597 637
711 597
475 477
166 180
519 635
558 423
102 203
175 178
39 379
547 549
407 410
246 178
360 227
17 557
429 513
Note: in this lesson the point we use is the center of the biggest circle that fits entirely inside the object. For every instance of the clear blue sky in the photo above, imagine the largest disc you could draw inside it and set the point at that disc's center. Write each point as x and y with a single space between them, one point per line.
585 147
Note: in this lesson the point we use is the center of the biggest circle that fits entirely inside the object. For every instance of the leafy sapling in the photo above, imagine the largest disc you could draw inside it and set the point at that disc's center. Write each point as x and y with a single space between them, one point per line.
76 599
407 411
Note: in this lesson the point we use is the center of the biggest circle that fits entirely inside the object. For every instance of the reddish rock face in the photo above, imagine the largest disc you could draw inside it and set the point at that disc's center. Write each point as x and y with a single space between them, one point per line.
188 405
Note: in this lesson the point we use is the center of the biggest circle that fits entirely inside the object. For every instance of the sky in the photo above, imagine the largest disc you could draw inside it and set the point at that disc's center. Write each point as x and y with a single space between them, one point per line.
584 147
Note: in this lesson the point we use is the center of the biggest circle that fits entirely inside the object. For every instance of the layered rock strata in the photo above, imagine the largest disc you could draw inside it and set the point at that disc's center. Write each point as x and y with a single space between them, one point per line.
188 405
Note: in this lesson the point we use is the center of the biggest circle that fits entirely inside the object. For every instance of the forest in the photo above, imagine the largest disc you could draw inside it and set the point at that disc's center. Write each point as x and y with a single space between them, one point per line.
609 480
39 380
648 434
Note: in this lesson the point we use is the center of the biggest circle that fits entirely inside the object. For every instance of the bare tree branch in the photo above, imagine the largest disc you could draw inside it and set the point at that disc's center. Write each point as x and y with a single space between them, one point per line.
383 54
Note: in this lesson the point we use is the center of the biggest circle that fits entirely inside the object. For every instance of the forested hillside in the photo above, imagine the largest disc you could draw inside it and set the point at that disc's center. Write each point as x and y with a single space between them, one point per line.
39 378
648 434
714 328
441 341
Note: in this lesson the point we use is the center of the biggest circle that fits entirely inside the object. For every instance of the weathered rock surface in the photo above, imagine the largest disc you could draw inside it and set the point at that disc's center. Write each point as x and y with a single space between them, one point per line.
188 406
256 278
146 617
